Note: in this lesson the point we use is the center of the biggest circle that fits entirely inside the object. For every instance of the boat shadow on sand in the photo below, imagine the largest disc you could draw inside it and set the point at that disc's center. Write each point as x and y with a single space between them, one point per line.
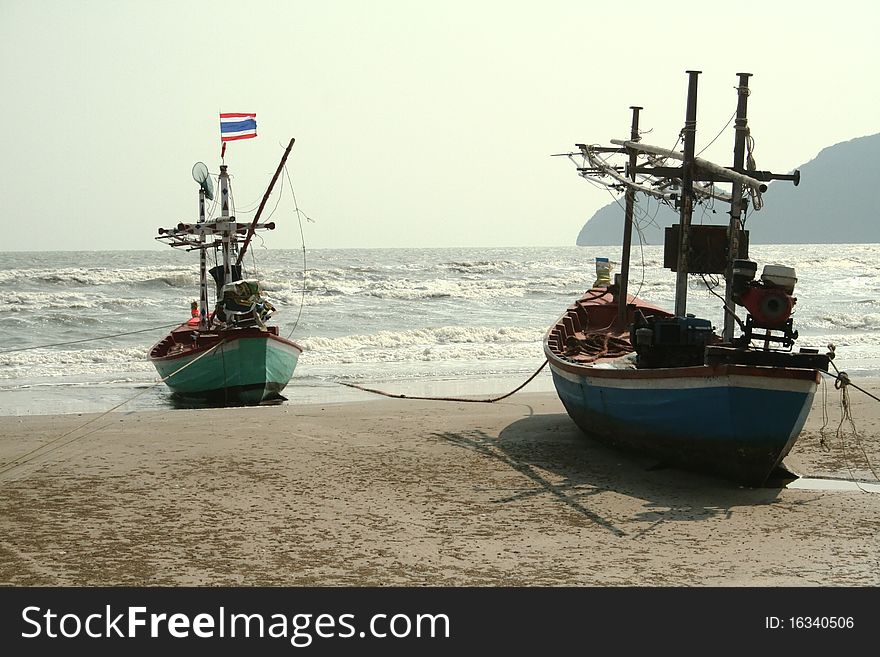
183 402
560 462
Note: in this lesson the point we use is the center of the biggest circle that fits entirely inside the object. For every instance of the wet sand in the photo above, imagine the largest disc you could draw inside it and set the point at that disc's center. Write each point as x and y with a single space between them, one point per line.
413 493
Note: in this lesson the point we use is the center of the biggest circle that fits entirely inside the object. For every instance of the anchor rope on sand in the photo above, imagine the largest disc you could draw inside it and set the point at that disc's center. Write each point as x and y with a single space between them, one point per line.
843 382
450 399
55 444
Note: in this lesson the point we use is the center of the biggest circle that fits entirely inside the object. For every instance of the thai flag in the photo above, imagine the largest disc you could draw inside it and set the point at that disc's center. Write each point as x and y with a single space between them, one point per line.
236 125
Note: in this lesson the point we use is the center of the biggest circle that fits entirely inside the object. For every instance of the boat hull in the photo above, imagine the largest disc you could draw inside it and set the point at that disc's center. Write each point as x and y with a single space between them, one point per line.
232 367
736 425
726 418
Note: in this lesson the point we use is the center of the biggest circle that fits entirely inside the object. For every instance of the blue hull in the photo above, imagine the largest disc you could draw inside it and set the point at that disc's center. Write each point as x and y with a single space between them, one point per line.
738 426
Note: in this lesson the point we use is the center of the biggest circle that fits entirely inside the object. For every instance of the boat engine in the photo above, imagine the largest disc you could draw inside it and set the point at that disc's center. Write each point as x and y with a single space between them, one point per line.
769 301
669 341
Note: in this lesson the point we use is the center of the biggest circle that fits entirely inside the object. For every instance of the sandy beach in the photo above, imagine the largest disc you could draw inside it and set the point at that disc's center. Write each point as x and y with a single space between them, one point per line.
413 493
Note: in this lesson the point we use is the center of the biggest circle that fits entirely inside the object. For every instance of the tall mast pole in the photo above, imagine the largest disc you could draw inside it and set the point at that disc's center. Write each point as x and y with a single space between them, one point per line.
628 222
253 226
203 267
736 204
687 194
226 225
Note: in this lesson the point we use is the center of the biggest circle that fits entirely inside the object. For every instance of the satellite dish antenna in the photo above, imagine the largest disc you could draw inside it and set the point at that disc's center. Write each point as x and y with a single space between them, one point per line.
201 176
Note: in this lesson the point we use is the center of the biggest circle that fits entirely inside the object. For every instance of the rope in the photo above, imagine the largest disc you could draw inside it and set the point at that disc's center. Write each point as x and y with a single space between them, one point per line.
757 199
596 345
822 440
718 135
23 459
299 215
730 311
449 399
102 337
842 382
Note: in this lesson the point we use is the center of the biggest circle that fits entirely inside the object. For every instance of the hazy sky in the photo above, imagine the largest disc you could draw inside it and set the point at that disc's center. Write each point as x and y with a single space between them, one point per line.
417 123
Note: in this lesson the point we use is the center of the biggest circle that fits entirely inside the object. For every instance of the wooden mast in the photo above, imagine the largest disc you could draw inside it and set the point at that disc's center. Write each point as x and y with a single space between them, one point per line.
253 225
203 266
687 197
736 204
692 170
623 290
226 225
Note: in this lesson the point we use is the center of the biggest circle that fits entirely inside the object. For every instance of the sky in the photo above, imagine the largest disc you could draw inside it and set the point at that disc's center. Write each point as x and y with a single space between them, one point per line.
417 124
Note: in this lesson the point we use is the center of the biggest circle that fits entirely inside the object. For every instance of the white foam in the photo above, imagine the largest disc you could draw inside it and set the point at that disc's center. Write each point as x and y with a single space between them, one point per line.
56 363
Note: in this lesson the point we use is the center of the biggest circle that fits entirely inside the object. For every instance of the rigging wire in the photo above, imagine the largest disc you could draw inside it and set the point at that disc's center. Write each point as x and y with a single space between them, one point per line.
757 199
41 450
102 337
727 309
299 216
210 213
642 252
726 125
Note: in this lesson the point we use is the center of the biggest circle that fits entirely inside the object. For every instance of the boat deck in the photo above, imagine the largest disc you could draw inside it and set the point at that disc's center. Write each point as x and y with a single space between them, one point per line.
187 338
589 332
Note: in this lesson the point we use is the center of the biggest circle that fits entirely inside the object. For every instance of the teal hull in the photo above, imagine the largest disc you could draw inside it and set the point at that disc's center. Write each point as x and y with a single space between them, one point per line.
244 367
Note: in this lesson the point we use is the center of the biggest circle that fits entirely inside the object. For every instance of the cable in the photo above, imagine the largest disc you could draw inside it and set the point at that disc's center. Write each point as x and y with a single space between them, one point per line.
449 399
22 460
724 305
842 380
299 214
729 121
102 337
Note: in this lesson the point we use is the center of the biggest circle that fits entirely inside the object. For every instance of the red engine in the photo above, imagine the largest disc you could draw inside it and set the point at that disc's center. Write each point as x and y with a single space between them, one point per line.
769 301
770 307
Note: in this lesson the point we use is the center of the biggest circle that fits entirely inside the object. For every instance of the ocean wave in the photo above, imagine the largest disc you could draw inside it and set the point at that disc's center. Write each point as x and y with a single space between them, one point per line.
47 301
170 280
440 353
172 276
411 290
479 266
822 340
439 288
863 321
444 335
50 362
284 301
57 357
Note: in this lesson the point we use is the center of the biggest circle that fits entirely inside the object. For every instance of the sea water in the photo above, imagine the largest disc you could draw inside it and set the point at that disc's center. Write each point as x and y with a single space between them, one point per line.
77 326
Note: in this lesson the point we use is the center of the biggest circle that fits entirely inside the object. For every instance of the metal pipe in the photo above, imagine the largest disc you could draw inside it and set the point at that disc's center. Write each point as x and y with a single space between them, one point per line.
687 198
613 173
623 291
253 225
203 268
226 224
736 205
718 170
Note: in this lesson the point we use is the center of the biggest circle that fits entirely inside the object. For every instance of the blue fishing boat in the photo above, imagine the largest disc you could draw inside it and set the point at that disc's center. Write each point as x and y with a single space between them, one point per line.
663 383
226 353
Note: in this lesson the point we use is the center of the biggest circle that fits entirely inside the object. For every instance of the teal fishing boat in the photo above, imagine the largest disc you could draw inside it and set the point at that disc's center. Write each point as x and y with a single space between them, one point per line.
230 354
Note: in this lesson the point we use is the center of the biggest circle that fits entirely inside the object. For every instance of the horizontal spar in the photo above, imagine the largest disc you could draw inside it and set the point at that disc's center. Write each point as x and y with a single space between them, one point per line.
718 170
